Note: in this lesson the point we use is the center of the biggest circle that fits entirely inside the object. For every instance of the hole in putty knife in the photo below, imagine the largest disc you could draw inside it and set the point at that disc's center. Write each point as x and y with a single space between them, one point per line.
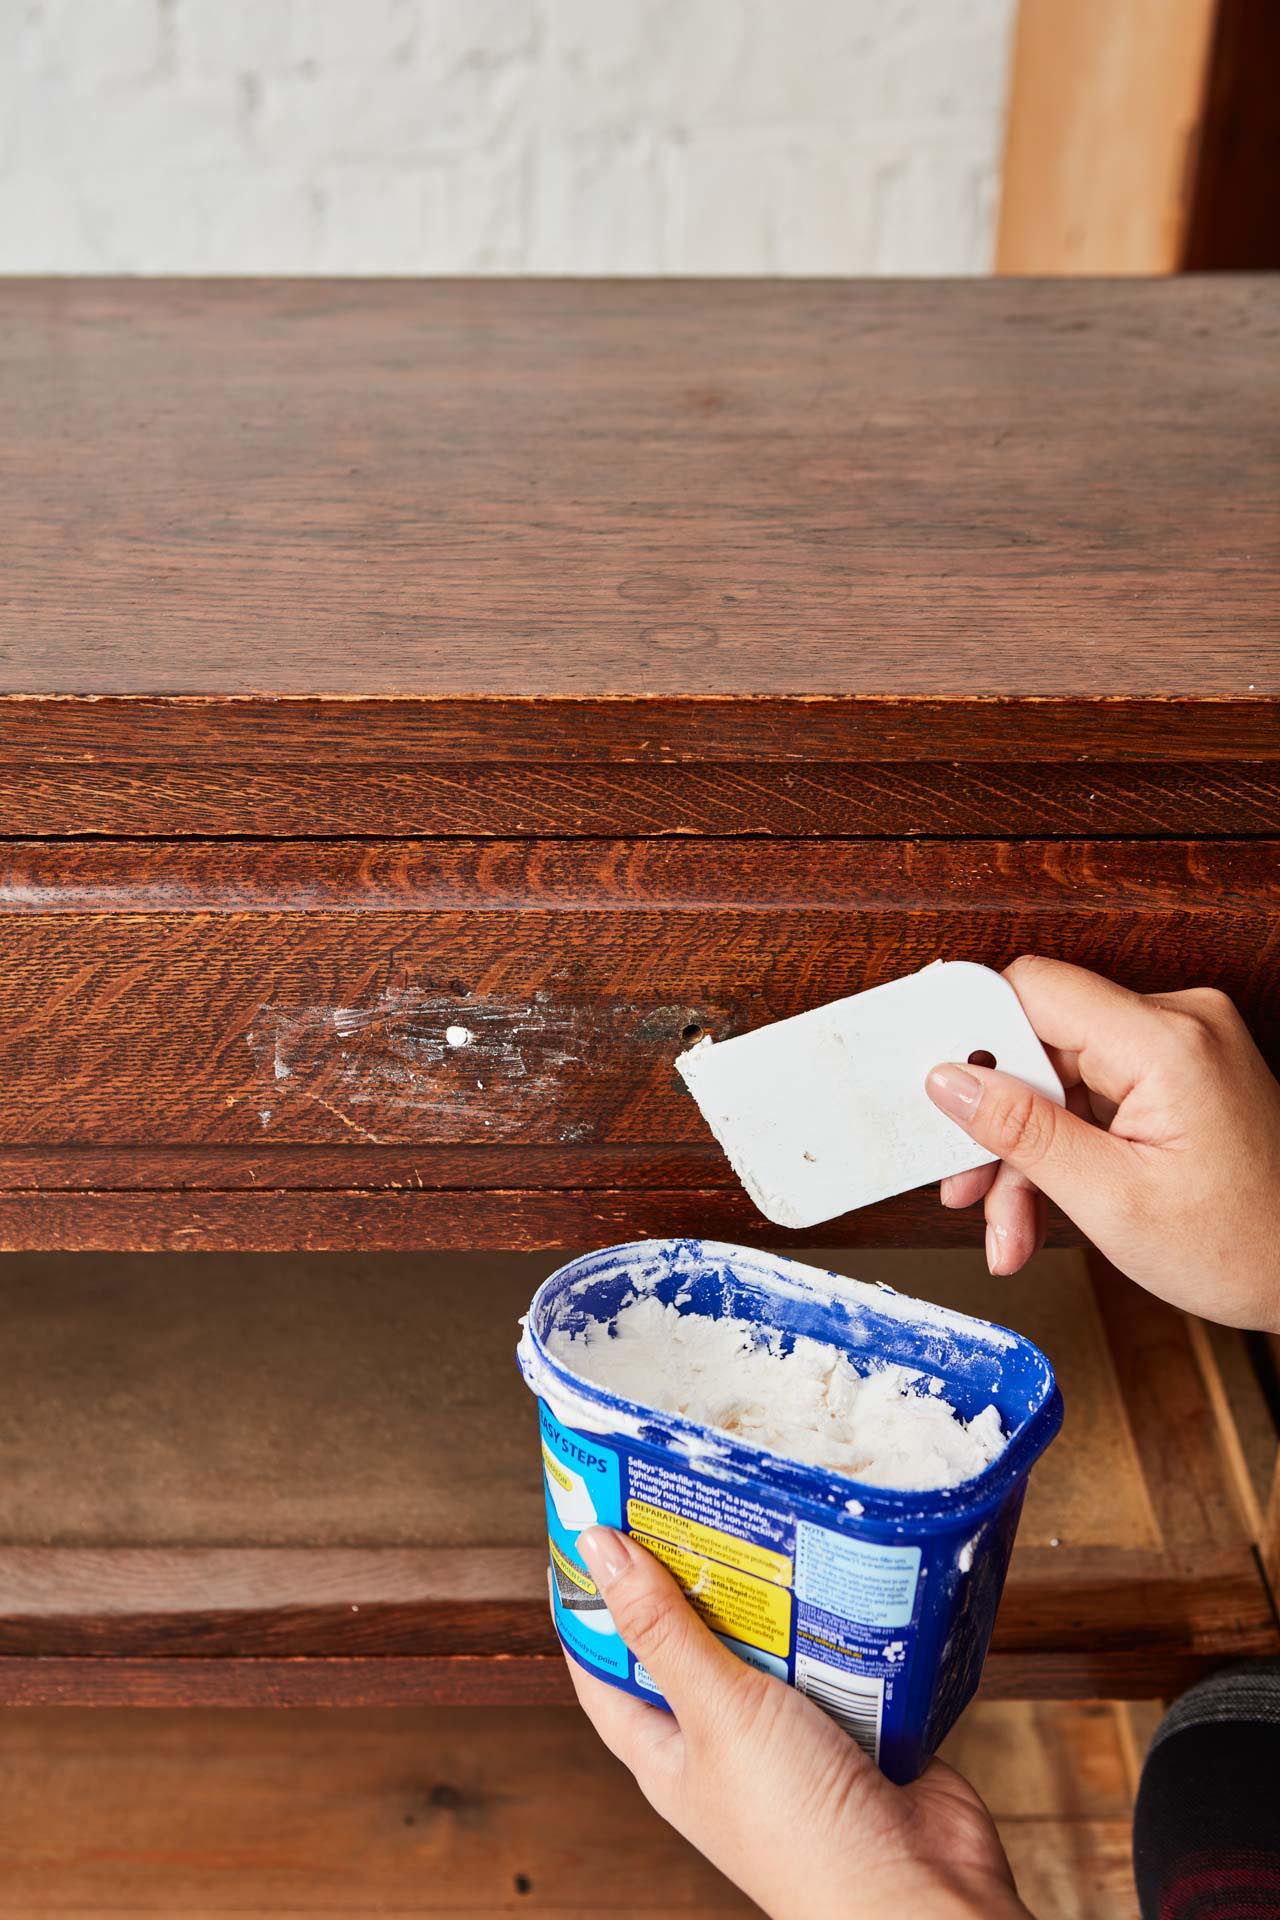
981 1058
692 1032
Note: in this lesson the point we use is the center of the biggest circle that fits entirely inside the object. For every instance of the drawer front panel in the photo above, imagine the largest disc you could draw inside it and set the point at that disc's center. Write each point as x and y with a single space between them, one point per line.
299 798
530 995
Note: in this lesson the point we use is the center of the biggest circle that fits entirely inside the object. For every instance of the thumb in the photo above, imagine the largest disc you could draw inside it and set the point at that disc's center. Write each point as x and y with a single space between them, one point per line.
1075 1164
698 1676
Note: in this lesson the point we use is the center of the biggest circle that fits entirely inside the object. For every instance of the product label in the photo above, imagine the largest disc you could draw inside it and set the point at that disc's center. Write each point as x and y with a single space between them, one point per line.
712 1542
855 1578
834 1615
584 1488
733 1603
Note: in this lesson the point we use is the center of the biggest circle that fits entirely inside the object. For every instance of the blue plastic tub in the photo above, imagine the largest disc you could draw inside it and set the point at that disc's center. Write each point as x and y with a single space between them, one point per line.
878 1604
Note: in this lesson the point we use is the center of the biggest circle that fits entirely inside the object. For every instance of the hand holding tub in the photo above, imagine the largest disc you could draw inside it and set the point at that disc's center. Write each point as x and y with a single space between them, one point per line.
770 1789
1168 1157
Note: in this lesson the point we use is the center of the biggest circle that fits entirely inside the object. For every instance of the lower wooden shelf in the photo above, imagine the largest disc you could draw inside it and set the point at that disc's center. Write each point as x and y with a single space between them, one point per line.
218 1627
467 1815
313 1480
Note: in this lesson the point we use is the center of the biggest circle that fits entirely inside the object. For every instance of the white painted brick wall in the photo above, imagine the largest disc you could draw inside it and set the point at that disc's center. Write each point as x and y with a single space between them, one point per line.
521 136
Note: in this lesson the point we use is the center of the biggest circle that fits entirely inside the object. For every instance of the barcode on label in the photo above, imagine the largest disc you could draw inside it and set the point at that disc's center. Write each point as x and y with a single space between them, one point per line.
855 1701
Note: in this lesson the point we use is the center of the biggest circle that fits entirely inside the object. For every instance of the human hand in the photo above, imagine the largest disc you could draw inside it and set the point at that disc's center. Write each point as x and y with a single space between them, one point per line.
1168 1152
773 1792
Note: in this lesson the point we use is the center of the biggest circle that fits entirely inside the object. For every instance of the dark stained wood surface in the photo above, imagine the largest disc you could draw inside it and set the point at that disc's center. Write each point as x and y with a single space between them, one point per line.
467 1815
305 1218
692 1166
448 1813
388 1199
1079 1623
1126 1642
239 1044
284 1680
197 731
256 995
637 800
1232 220
545 520
679 876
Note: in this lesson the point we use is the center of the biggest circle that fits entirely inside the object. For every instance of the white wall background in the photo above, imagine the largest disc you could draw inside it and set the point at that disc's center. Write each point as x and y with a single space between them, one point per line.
513 136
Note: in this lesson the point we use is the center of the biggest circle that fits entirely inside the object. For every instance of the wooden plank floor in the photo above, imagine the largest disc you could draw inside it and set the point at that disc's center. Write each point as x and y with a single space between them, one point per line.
467 1812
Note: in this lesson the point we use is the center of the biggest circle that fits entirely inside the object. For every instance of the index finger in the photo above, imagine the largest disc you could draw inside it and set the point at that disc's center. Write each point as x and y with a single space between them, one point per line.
1098 1032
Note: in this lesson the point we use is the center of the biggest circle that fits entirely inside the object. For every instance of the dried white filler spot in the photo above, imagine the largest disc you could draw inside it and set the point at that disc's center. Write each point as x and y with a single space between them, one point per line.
459 1036
809 1404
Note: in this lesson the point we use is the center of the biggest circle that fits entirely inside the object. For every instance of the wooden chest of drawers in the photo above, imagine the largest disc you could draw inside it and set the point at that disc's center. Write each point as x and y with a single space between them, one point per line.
582 668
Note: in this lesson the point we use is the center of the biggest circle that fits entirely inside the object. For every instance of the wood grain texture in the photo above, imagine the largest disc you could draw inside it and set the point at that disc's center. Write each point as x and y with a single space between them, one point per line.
695 1166
1107 100
1248 1436
573 520
287 1199
1171 1413
258 1602
445 1811
681 876
285 1680
1269 1545
1080 1623
791 729
1055 1777
634 799
265 994
305 1219
451 1812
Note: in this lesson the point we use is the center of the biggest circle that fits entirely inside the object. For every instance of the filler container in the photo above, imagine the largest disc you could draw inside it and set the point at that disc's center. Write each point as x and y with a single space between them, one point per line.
878 1604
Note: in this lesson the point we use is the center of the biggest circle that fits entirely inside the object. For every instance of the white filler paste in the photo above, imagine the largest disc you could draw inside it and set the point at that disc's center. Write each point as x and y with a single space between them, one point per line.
810 1404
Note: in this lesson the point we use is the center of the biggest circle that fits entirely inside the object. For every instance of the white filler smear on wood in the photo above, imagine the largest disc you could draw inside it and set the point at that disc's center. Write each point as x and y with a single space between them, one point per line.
890 1427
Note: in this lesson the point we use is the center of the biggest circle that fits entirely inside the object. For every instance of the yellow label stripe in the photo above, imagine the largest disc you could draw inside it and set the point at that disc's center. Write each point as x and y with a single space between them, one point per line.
754 1611
709 1541
557 1472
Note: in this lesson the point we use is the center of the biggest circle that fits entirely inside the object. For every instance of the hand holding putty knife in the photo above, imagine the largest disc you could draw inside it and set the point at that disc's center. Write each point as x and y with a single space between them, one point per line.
827 1111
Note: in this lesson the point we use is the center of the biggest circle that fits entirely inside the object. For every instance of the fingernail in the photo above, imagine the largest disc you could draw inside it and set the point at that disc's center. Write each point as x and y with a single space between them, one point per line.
945 1190
607 1555
996 1237
955 1091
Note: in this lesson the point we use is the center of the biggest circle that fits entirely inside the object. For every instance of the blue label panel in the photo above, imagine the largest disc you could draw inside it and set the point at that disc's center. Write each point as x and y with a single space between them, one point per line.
856 1579
583 1483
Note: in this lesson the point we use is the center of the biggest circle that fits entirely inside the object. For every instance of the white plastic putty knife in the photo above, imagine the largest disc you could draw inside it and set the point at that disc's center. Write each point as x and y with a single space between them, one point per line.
827 1111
